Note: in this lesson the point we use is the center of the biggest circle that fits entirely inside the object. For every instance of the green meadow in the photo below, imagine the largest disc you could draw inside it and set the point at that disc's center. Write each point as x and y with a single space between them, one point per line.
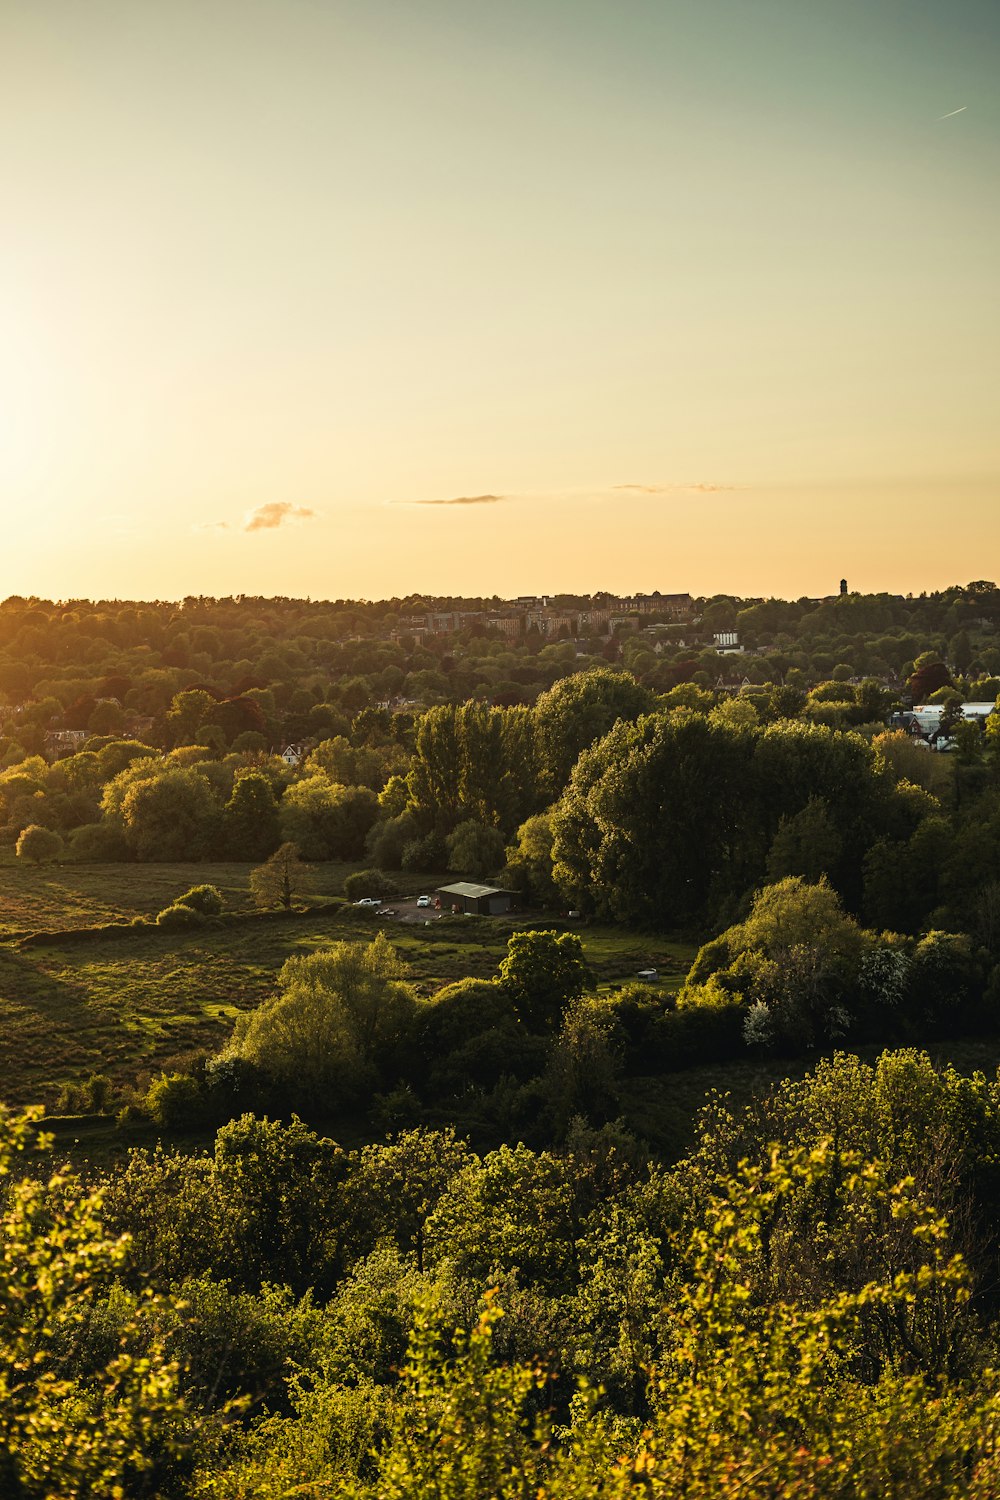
134 1001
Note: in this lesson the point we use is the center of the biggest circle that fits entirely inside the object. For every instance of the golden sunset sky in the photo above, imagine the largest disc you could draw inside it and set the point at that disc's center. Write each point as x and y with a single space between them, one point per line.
681 294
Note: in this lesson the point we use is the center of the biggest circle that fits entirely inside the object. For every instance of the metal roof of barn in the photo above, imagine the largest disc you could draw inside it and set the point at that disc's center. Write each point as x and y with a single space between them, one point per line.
473 892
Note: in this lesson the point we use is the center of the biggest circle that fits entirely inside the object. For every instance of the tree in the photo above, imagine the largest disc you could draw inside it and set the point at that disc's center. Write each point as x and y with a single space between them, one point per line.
368 883
929 674
960 651
38 845
338 1017
167 811
658 817
807 844
328 821
543 972
474 849
529 860
280 879
279 1185
250 824
188 711
394 1188
107 718
576 712
797 955
472 761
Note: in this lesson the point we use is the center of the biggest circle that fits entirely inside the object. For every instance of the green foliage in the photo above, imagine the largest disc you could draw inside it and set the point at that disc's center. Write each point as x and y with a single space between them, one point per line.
461 1428
650 821
81 1436
38 845
335 1025
584 1069
368 883
178 917
529 861
576 712
514 1209
796 961
207 899
807 844
98 843
328 821
167 813
175 1101
542 973
395 1187
474 849
472 762
250 823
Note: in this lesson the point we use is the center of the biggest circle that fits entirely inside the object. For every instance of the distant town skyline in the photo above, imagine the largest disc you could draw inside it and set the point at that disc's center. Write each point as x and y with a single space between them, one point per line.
370 298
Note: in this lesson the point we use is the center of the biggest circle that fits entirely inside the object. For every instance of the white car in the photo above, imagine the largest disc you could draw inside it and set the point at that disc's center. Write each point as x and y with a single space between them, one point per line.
368 901
423 900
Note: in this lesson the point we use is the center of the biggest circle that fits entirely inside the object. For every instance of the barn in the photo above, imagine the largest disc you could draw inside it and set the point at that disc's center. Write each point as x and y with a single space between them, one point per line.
478 900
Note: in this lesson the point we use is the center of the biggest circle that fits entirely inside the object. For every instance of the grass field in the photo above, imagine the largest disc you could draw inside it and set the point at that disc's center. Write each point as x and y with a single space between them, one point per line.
128 1004
51 897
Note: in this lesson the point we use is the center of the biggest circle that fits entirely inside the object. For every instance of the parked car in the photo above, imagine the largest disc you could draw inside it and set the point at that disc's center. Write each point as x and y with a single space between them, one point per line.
423 900
369 901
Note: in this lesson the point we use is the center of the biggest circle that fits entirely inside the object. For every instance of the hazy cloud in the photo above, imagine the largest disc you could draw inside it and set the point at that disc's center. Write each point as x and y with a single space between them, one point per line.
676 489
275 513
210 526
465 500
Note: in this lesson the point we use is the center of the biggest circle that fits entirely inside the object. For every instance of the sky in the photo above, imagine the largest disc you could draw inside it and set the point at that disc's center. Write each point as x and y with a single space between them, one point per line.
360 298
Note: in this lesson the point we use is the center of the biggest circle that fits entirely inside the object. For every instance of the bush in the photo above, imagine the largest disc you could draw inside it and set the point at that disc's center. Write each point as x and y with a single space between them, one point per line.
204 898
175 1101
177 916
369 883
704 1034
427 853
98 843
38 845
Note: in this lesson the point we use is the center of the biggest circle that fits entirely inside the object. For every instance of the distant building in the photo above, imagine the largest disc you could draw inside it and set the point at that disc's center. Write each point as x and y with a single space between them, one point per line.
64 739
677 605
511 625
727 643
843 585
923 721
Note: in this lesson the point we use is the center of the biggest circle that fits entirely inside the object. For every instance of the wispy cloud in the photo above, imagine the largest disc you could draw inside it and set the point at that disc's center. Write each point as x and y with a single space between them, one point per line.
676 489
954 112
210 526
465 500
274 514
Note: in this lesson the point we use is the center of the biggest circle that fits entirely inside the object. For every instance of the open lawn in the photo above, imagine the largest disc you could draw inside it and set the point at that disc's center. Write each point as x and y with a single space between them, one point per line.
128 1003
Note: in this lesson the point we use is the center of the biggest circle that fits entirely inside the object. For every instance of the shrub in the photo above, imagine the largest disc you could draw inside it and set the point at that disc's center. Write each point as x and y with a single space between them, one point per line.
174 1101
177 916
704 1034
369 883
38 845
98 843
204 898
